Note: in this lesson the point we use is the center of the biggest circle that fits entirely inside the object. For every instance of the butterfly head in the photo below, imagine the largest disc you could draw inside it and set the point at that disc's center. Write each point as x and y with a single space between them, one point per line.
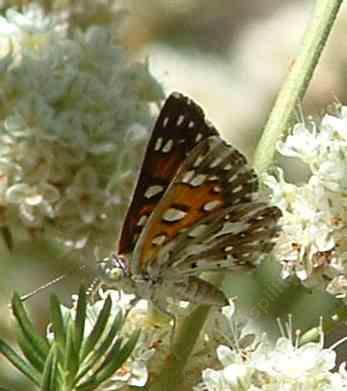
114 271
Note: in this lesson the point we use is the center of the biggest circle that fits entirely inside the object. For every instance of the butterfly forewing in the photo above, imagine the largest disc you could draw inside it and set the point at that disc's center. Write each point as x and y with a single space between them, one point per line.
181 125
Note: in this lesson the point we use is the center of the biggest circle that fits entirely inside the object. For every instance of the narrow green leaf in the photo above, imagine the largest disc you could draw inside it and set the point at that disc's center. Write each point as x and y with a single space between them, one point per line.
104 346
115 358
80 319
57 321
31 354
91 383
56 381
49 382
98 329
38 343
19 363
87 387
113 361
71 360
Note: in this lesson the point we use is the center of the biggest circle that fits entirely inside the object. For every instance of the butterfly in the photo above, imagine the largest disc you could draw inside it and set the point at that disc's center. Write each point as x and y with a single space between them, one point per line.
195 209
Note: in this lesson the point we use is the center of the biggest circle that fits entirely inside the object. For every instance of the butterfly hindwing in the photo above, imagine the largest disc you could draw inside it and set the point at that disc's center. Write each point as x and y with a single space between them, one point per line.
228 239
181 125
213 178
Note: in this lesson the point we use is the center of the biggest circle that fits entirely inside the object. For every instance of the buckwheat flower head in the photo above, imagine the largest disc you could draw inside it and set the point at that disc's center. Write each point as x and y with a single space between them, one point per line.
313 243
264 366
73 123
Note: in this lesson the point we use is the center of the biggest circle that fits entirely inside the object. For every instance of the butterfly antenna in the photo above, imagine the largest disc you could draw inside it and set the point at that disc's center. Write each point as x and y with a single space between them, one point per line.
49 284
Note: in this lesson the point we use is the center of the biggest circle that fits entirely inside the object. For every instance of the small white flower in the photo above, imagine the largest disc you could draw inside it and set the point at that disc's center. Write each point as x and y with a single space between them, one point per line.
284 366
75 122
301 143
312 241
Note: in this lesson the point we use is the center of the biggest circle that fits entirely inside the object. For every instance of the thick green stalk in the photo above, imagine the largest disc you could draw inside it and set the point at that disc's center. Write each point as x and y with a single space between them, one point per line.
297 81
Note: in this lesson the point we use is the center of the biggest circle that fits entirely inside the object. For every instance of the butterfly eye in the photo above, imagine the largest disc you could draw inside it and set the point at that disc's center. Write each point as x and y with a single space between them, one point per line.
111 269
116 274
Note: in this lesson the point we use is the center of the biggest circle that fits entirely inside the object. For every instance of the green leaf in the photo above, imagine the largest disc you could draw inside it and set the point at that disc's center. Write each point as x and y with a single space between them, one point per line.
19 363
98 329
56 383
115 358
91 381
49 377
31 354
80 319
37 342
71 360
104 346
57 320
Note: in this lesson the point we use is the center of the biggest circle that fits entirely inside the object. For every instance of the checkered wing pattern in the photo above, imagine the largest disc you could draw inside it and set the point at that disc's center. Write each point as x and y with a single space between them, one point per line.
181 125
209 218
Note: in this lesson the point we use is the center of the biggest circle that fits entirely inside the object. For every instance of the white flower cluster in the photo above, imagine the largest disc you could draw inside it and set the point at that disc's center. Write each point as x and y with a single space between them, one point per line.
73 122
283 367
313 241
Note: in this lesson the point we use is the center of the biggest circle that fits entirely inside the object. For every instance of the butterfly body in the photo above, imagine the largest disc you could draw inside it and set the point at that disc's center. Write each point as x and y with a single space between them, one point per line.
195 209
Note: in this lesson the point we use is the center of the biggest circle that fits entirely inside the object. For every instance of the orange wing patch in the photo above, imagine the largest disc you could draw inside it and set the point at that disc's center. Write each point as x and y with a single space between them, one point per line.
212 177
186 206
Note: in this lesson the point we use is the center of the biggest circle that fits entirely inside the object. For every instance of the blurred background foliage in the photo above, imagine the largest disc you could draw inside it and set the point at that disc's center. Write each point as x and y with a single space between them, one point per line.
231 57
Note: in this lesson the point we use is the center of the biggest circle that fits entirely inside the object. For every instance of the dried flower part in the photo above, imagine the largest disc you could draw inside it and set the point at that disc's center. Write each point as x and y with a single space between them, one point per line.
312 244
74 118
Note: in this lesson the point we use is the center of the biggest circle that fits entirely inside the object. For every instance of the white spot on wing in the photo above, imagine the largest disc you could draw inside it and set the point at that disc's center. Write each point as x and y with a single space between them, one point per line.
216 162
172 214
180 120
237 189
198 137
217 189
198 161
211 205
158 143
153 190
228 167
159 240
165 121
187 177
168 146
232 178
142 220
198 180
191 124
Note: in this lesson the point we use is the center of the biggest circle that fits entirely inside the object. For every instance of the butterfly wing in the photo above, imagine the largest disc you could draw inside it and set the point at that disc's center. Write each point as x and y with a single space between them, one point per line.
233 238
212 180
180 126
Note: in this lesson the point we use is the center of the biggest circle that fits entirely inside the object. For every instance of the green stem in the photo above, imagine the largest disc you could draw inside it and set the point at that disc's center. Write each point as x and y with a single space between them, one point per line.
297 81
